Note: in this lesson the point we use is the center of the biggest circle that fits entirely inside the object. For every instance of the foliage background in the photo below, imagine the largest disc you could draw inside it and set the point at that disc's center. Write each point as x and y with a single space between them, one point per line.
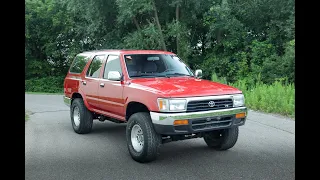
236 40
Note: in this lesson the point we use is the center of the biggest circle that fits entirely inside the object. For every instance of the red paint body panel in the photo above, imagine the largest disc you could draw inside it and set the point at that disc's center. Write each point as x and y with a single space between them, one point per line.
112 99
185 87
91 92
141 94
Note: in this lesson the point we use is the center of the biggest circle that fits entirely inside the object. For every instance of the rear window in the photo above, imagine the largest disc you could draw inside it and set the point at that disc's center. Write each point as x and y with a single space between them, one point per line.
79 63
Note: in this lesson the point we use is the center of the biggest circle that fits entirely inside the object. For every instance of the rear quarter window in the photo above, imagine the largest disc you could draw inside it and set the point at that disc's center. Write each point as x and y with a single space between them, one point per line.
78 64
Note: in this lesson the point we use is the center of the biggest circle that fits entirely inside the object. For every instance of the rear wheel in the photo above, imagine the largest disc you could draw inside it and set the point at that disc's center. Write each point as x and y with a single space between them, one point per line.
81 117
142 140
222 139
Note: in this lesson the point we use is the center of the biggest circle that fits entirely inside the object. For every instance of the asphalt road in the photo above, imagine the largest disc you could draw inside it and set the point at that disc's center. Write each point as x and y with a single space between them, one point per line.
265 150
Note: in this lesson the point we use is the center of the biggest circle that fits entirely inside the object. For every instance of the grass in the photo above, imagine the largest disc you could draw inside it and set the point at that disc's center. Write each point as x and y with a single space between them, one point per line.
45 93
49 84
276 98
26 115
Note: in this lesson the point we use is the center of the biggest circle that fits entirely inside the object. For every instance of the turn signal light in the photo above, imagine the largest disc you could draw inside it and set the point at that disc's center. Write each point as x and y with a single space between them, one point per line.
160 104
240 115
180 122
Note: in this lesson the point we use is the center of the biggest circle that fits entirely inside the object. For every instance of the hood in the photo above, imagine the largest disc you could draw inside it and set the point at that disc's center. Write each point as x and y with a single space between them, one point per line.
182 87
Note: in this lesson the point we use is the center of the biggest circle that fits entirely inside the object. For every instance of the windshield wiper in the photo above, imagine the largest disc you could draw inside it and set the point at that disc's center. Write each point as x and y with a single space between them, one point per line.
148 75
178 74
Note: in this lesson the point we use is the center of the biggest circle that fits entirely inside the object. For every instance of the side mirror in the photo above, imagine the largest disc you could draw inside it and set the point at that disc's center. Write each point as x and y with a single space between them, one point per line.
198 73
114 76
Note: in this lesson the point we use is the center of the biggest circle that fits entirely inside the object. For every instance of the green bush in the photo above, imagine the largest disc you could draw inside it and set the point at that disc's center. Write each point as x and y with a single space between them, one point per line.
275 98
47 84
278 97
215 78
260 57
220 66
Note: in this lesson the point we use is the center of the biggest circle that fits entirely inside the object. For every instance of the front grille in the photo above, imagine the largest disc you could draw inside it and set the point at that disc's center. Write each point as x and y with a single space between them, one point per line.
208 123
195 106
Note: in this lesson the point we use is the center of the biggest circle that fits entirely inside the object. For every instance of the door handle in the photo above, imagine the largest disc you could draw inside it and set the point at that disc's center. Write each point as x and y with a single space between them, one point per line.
101 84
84 82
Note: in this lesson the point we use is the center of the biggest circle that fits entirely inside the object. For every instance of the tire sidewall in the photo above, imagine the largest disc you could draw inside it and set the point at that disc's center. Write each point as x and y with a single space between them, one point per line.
75 103
227 141
213 140
132 121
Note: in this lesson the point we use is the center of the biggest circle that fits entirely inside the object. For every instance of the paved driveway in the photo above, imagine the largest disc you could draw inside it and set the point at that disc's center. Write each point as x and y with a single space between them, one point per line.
265 150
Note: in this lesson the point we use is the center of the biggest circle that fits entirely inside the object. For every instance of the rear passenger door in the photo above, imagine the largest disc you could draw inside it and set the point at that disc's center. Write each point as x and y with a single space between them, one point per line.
110 91
90 82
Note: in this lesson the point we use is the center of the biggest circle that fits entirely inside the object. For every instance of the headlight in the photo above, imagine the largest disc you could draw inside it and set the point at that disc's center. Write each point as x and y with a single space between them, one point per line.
238 100
172 104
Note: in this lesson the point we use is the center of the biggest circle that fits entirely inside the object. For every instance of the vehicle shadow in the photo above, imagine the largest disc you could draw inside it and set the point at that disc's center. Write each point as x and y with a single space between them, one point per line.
190 149
110 130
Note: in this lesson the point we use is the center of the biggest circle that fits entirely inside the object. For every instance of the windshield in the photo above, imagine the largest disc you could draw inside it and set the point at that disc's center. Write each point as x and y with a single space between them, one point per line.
155 65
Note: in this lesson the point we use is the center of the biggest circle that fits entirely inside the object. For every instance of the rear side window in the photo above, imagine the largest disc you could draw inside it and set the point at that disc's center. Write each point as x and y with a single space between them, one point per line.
95 66
78 64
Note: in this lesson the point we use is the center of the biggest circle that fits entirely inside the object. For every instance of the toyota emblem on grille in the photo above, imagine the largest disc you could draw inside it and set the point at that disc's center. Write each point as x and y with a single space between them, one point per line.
211 103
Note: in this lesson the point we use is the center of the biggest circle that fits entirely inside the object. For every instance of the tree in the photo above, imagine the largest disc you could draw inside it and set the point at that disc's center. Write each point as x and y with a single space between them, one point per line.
234 39
49 38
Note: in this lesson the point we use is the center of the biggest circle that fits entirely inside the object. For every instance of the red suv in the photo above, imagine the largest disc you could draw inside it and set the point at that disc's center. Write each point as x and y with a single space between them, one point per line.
159 97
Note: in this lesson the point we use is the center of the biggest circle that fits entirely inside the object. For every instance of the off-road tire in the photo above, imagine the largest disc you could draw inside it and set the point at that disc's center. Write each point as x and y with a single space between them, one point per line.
222 139
152 140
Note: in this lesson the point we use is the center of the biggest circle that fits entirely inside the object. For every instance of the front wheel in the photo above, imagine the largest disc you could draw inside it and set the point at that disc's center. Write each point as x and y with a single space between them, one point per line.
142 140
222 139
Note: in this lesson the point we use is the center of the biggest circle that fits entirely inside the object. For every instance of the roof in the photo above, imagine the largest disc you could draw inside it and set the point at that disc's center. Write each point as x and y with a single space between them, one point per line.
127 51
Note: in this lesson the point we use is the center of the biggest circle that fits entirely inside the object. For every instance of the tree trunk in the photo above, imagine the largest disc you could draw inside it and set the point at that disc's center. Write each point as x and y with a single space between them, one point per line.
163 44
203 44
219 33
178 34
136 23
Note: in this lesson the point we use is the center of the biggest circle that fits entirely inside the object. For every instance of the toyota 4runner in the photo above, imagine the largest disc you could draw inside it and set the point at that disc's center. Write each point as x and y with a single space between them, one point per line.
159 97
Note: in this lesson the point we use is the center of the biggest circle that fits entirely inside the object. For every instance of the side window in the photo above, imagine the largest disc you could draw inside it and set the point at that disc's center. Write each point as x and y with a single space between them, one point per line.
113 64
95 66
78 64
